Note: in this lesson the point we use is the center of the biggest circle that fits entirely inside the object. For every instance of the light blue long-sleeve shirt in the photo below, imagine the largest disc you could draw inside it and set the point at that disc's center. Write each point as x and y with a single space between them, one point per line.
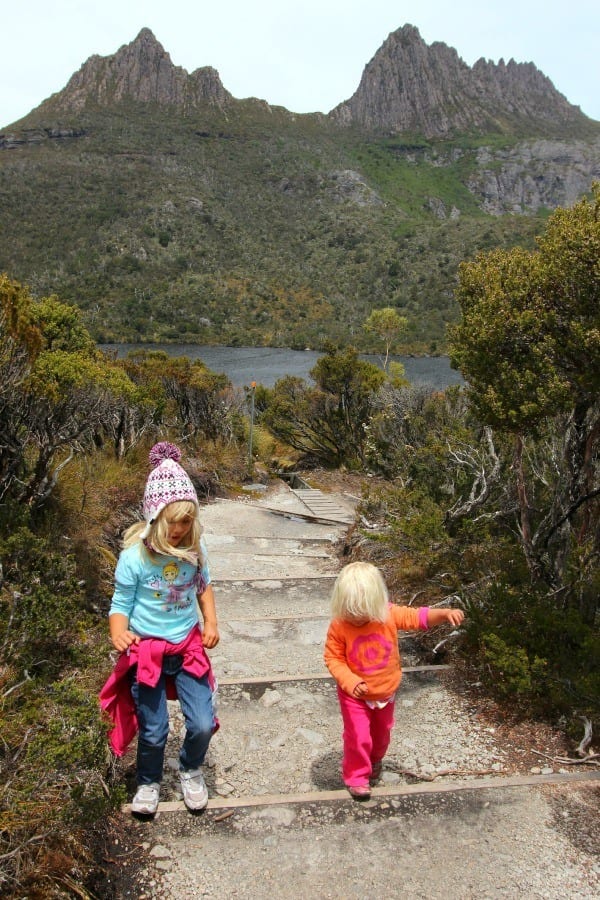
158 594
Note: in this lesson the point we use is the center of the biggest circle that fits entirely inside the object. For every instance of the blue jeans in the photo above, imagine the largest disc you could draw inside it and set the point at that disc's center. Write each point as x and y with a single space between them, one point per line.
195 699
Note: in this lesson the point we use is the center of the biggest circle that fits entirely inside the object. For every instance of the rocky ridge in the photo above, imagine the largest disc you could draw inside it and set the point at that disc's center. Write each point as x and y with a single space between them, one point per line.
142 71
409 86
534 175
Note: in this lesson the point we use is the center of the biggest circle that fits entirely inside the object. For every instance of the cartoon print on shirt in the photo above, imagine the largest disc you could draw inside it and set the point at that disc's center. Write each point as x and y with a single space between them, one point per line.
156 583
177 594
170 571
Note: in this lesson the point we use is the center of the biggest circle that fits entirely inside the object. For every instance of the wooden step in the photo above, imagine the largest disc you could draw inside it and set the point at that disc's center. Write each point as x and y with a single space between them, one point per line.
576 779
322 506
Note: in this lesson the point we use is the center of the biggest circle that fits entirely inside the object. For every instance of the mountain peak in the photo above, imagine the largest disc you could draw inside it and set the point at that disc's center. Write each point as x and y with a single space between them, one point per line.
141 71
146 35
410 86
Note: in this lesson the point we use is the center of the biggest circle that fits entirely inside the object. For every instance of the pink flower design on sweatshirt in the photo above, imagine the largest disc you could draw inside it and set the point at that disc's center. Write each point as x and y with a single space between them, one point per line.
370 653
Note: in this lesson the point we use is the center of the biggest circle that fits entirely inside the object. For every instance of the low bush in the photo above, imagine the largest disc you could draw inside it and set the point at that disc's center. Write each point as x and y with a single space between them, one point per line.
543 658
53 753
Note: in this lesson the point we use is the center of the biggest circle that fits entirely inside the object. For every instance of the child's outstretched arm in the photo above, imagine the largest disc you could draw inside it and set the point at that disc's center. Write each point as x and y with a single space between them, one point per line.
438 616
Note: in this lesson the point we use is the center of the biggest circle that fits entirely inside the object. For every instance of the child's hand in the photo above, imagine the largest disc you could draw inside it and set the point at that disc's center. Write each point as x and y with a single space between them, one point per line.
454 616
210 635
360 690
437 616
124 640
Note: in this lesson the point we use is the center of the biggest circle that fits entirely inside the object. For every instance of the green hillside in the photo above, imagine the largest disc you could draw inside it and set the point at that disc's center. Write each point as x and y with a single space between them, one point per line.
241 227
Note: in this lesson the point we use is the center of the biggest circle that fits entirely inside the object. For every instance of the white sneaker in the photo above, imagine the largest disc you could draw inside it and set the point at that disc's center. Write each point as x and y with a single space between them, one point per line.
145 801
195 794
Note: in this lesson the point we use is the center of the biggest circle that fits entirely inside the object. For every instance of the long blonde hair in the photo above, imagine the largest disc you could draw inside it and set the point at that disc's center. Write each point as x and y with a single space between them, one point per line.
359 593
157 540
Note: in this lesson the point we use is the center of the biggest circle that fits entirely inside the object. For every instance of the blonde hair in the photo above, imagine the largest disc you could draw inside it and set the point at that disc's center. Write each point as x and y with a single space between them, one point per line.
360 592
157 540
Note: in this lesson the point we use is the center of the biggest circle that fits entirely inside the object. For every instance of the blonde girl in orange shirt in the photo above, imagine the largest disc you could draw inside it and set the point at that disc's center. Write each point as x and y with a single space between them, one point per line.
361 652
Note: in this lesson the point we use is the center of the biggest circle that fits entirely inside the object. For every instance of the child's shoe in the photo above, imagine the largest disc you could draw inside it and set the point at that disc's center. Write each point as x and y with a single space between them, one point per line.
195 794
359 791
376 770
145 802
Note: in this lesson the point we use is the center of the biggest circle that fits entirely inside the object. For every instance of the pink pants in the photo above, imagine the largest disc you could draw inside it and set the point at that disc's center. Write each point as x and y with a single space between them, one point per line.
366 736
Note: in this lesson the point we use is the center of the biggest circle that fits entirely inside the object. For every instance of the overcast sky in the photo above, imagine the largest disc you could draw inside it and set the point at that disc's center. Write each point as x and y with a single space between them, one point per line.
306 55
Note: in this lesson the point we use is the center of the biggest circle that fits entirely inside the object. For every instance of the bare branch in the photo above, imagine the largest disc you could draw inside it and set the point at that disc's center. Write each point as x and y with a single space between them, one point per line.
587 737
484 467
32 840
440 644
20 684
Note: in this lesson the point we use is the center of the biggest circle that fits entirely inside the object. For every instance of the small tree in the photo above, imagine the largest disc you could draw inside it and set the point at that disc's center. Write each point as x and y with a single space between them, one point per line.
327 421
389 326
186 393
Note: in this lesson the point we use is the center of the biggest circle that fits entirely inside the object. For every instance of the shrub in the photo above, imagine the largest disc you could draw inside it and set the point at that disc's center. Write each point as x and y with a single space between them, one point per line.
545 658
53 749
512 670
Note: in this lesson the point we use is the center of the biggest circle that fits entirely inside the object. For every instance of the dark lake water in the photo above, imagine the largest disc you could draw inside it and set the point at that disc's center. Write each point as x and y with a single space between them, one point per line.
266 365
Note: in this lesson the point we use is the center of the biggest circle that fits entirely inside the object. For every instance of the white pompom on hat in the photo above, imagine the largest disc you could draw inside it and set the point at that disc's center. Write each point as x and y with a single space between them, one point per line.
167 482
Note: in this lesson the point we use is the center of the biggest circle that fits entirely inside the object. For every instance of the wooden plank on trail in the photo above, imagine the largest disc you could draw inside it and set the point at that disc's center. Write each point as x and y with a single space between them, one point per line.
313 676
321 504
309 517
580 779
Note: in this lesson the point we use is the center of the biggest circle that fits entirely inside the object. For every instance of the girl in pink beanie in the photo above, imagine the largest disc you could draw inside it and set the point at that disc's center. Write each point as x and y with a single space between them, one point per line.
161 580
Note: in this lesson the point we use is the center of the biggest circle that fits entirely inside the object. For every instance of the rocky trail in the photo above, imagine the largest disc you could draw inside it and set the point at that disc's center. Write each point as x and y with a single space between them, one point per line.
465 807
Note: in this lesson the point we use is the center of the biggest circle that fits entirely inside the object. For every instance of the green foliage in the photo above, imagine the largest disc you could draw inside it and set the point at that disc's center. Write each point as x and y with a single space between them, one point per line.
511 669
53 740
59 394
388 326
529 346
326 422
44 601
396 374
185 393
74 737
263 247
529 342
410 430
17 321
340 372
58 374
61 327
544 658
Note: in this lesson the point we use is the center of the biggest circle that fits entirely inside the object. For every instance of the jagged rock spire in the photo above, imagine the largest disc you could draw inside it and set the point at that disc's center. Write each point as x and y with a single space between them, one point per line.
409 86
141 71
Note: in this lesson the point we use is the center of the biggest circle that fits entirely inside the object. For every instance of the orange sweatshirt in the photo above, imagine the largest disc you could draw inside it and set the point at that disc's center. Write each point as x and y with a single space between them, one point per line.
355 653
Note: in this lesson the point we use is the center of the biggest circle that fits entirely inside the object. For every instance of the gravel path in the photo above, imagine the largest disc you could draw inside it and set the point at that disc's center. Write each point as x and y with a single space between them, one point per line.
283 737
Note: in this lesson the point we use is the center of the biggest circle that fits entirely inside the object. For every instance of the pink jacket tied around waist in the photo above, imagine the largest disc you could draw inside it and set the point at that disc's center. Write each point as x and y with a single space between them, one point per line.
115 697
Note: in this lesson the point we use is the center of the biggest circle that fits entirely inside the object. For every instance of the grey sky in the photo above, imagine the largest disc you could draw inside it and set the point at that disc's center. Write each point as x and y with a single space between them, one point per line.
306 55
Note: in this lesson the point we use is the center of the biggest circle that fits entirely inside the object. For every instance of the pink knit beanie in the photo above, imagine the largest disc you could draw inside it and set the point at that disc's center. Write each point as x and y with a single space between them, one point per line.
167 482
